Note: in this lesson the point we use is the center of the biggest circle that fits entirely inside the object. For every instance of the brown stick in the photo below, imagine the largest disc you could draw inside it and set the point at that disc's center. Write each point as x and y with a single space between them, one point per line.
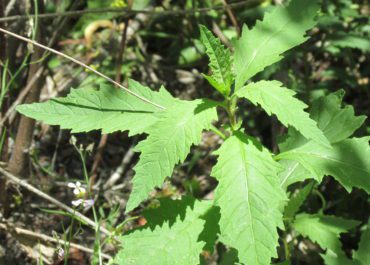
48 239
120 170
97 159
216 30
59 204
232 17
19 158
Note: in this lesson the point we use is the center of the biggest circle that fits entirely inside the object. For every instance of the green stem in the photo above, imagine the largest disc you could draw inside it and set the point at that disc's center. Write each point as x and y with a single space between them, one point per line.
87 181
286 248
3 82
68 241
231 111
321 197
218 132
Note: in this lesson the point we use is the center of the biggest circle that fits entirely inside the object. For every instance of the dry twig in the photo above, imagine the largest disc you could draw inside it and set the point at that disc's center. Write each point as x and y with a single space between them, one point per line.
120 170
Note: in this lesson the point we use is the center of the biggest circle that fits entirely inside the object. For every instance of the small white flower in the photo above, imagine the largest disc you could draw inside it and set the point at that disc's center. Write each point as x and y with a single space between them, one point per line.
85 203
77 202
77 189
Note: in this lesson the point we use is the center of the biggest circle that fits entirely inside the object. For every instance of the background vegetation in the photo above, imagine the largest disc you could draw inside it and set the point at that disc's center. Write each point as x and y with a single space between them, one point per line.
156 43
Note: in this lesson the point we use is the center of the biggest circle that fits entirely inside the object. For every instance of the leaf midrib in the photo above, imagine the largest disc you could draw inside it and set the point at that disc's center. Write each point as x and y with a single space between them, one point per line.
289 174
217 60
322 157
257 51
244 162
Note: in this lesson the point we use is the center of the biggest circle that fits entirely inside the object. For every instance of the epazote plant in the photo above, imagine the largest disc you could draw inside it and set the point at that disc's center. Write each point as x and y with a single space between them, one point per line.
251 199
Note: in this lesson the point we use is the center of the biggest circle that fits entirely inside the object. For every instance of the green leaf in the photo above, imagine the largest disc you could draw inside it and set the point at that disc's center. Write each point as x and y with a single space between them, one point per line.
220 62
250 199
168 143
293 172
229 258
331 258
175 244
108 108
347 161
323 229
330 117
362 255
296 200
211 228
169 210
280 30
191 54
278 100
350 40
287 262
